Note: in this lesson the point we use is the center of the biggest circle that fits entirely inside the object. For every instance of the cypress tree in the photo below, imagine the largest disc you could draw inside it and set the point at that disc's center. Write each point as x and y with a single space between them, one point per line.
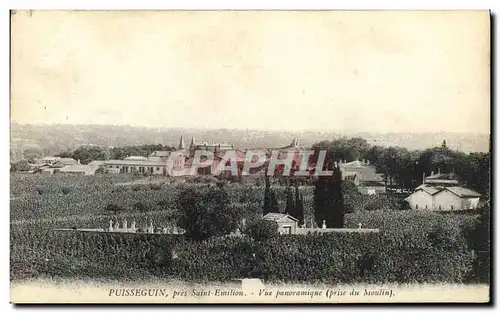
290 205
299 206
274 202
267 196
328 199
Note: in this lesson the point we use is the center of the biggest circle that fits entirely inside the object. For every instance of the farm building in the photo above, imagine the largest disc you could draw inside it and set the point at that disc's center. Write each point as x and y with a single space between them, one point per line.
136 166
359 172
286 224
443 198
371 188
78 169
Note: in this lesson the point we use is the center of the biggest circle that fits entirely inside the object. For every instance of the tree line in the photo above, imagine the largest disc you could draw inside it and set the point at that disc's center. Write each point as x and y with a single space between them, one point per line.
404 169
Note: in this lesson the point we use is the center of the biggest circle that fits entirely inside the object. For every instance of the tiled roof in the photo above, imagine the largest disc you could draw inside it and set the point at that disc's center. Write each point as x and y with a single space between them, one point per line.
77 169
160 154
138 158
463 192
277 216
459 191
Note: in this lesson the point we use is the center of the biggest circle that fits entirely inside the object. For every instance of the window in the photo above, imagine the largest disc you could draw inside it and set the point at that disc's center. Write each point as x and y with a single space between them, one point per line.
287 229
157 168
426 206
416 206
452 207
439 207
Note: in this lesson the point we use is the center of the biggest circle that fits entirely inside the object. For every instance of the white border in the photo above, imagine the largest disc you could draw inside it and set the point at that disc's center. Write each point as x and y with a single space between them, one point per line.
185 5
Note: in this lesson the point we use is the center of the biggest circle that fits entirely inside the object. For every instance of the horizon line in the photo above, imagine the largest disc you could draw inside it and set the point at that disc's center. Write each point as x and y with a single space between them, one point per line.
341 132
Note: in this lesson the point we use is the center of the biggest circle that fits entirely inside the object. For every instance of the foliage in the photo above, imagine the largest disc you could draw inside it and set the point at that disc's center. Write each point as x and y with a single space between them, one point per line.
65 190
261 230
20 166
113 207
207 212
328 200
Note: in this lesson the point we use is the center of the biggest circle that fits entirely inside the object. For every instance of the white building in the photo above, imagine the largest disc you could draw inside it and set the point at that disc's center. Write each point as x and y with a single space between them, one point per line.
286 224
443 198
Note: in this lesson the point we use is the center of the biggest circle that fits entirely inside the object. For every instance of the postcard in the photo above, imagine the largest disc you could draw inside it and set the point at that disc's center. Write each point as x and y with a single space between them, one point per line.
250 157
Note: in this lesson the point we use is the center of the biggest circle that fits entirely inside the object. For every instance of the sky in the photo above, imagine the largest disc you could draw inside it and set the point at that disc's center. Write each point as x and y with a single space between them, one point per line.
335 71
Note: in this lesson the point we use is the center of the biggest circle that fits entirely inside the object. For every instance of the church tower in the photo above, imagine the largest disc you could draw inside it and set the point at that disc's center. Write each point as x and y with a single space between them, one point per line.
181 144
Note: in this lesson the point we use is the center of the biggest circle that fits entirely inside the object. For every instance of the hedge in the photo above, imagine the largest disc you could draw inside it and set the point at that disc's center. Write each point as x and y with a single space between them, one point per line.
416 248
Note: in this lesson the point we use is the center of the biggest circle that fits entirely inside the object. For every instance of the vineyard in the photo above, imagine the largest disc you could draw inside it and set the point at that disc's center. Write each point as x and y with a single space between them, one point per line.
411 247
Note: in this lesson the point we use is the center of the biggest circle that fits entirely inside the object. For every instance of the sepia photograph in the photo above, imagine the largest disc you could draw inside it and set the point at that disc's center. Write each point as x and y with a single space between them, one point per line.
250 156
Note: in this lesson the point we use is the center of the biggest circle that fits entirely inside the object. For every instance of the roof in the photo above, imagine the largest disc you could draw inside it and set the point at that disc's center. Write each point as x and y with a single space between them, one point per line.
278 216
133 157
463 192
160 154
77 169
67 161
135 162
442 176
51 158
429 189
97 163
356 163
459 191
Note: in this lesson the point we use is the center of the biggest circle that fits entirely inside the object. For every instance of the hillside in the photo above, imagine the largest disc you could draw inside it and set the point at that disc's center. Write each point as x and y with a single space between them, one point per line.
51 139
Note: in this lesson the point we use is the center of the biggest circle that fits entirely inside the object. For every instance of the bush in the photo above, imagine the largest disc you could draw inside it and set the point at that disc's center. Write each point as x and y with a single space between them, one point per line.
65 190
261 230
206 212
39 190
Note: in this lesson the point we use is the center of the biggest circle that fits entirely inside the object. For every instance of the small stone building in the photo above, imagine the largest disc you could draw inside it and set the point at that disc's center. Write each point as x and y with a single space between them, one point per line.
286 224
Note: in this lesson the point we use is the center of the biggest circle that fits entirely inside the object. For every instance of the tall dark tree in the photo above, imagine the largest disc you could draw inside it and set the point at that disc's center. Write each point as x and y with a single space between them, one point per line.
267 195
328 199
274 202
299 206
290 205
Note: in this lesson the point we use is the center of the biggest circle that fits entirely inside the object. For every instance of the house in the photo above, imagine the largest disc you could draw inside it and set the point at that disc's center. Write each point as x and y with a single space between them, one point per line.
286 224
159 156
48 160
78 169
371 188
62 162
209 146
448 179
359 171
443 198
139 166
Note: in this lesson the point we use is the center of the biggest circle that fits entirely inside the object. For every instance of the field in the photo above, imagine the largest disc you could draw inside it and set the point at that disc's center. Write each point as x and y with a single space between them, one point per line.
412 246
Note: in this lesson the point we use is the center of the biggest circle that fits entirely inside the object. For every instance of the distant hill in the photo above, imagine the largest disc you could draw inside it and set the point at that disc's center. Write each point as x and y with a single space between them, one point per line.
52 139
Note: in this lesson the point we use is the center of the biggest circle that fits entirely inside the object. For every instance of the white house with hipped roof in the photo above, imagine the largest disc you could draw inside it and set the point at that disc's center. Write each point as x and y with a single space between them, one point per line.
443 198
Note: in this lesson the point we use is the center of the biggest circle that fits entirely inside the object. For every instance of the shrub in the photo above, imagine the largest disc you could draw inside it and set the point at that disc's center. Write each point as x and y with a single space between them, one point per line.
261 230
155 186
39 190
207 212
65 190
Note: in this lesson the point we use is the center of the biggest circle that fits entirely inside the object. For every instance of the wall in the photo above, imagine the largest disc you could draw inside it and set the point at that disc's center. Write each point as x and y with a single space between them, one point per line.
420 198
287 222
446 199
